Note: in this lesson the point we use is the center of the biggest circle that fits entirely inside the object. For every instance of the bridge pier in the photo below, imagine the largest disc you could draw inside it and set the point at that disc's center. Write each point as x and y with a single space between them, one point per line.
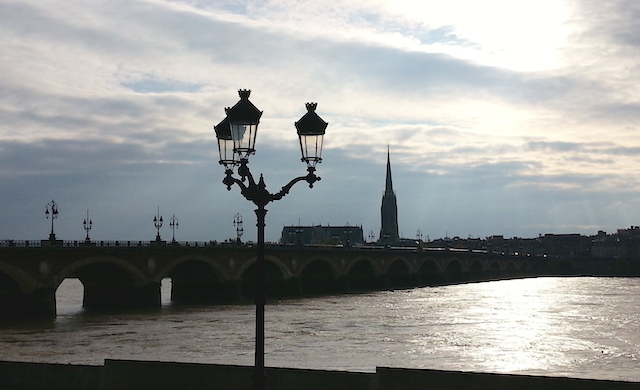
110 296
185 291
39 303
343 284
292 287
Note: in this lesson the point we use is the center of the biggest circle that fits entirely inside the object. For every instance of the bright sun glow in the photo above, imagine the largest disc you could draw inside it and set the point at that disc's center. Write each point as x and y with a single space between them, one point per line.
517 35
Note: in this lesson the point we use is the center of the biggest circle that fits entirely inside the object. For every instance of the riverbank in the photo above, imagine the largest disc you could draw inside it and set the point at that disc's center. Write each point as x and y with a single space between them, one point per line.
143 375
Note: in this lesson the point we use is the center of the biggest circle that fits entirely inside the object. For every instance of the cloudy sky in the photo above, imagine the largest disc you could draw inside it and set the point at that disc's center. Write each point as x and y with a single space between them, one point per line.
503 117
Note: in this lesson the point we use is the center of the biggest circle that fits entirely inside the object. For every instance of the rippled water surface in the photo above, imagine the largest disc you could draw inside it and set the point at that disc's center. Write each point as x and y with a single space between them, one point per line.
578 327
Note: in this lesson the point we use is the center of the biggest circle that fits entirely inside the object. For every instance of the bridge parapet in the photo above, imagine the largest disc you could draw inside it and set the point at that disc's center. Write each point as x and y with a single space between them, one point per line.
102 243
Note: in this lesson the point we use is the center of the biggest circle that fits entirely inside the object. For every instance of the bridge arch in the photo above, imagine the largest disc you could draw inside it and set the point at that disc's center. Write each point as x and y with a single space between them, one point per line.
111 282
362 275
510 269
454 271
319 276
22 279
137 276
430 272
198 279
215 266
278 278
495 269
476 270
275 261
399 273
21 294
336 268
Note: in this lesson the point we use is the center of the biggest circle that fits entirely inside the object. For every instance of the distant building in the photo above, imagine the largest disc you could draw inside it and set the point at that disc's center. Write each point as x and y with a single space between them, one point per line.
566 244
389 210
629 240
322 235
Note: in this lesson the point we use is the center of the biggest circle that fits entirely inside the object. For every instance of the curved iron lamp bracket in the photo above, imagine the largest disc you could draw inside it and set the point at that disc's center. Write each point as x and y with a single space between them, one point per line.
257 192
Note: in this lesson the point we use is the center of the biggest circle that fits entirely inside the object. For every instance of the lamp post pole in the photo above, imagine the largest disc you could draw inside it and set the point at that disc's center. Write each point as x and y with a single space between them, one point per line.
236 136
260 301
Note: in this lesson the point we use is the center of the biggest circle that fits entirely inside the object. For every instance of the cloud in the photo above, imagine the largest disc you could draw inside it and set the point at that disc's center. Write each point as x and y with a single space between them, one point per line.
527 114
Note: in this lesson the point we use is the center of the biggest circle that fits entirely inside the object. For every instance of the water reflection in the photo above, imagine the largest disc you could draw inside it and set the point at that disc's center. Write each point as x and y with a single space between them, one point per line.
517 326
582 327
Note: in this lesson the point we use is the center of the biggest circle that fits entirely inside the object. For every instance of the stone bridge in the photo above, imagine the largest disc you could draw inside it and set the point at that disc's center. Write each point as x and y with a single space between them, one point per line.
129 274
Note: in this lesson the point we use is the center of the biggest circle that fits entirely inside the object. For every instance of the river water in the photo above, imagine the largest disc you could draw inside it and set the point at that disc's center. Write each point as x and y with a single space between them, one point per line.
576 327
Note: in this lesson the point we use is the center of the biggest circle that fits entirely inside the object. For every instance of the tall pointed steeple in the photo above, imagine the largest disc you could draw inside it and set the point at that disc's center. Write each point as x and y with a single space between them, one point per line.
389 209
389 183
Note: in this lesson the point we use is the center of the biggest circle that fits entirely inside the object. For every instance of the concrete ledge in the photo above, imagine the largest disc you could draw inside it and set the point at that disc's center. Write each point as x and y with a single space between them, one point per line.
414 379
143 375
36 376
140 375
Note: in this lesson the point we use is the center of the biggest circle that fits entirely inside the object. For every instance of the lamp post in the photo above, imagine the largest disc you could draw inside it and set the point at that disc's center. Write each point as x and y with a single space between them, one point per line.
236 136
237 223
51 210
87 224
173 224
157 222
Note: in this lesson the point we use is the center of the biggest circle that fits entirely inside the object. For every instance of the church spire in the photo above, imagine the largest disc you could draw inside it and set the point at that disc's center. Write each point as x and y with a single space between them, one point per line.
389 182
389 209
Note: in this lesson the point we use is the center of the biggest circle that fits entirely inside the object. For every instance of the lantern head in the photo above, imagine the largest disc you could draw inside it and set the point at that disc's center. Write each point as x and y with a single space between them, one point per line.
311 129
243 119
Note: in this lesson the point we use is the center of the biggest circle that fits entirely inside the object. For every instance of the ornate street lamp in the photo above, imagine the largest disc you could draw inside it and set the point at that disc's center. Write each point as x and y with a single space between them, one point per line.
87 224
236 136
157 222
173 224
237 223
51 211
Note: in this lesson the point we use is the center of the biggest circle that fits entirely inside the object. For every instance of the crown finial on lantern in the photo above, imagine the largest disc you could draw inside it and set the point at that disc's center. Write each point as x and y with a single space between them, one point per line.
311 107
244 93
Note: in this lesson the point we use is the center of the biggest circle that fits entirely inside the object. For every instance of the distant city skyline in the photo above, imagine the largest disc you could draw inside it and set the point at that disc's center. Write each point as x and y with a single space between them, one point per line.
502 118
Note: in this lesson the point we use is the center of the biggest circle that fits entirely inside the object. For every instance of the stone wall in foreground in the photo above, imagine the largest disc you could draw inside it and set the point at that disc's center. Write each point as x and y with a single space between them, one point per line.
143 375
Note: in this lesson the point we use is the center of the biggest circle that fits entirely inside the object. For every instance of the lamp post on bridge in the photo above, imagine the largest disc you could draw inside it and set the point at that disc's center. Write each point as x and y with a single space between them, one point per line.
51 211
157 222
87 224
236 136
173 224
237 223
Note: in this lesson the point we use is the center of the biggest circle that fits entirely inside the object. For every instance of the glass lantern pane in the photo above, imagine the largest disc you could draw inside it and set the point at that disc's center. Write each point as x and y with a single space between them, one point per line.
243 136
238 131
227 155
311 148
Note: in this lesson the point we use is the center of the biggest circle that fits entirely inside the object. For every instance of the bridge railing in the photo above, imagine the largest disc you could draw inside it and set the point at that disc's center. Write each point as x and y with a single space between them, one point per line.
21 243
102 243
203 244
